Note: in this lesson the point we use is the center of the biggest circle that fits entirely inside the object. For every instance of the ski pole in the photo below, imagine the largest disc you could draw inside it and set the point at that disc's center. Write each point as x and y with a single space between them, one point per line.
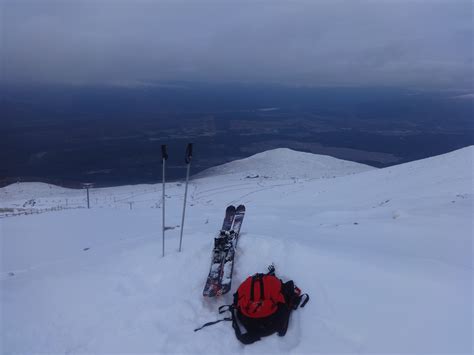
189 155
164 157
87 186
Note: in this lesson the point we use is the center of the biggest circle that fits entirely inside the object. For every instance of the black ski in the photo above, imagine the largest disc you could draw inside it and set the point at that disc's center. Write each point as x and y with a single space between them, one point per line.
228 266
218 254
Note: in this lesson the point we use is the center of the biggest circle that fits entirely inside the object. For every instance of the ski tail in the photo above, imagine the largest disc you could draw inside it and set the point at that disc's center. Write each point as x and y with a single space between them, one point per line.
225 280
218 255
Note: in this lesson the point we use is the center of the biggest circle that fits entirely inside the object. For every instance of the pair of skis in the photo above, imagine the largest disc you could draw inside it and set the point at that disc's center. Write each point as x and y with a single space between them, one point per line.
220 275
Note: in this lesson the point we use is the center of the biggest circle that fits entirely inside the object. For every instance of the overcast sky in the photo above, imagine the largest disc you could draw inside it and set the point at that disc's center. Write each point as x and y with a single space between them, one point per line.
410 43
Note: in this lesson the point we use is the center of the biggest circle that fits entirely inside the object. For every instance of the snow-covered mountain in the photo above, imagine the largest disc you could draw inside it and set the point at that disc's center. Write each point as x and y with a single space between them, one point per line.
385 254
284 163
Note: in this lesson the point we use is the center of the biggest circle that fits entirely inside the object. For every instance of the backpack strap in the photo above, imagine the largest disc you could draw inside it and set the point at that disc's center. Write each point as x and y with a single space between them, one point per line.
262 294
298 297
306 299
252 289
245 338
259 278
211 323
221 310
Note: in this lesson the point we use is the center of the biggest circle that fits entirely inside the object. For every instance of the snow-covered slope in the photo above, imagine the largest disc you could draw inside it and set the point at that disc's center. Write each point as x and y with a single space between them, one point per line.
287 163
386 255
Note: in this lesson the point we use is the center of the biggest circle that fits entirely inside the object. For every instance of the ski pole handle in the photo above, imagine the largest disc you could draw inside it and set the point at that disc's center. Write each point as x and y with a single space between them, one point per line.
164 152
189 153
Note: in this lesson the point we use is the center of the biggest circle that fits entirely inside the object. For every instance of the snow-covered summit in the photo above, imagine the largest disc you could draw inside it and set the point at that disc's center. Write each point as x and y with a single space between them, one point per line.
284 163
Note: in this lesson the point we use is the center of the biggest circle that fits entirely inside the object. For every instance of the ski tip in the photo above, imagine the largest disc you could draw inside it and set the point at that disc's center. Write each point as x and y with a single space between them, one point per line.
241 208
230 208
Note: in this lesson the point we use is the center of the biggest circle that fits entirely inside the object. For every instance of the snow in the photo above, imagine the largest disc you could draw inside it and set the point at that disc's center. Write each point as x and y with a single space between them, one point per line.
385 254
284 163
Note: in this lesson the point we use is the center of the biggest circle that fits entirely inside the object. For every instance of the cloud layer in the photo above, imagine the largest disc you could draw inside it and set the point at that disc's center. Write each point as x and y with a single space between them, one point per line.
408 43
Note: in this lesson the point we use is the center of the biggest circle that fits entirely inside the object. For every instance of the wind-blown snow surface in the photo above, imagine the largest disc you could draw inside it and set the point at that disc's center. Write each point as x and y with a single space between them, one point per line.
385 254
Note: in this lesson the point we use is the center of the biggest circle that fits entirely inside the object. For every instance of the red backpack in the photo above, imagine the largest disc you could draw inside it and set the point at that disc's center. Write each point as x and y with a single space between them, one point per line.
262 306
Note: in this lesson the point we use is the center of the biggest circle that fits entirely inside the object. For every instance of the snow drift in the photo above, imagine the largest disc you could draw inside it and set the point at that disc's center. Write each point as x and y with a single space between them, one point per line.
386 255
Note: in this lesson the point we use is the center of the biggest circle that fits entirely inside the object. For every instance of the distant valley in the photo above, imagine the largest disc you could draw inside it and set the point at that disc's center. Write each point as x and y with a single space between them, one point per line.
112 136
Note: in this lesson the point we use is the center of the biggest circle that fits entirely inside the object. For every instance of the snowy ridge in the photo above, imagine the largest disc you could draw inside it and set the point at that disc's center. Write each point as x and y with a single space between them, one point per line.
284 163
386 256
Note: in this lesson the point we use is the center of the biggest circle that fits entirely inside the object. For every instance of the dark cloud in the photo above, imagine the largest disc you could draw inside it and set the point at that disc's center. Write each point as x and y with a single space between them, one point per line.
412 43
